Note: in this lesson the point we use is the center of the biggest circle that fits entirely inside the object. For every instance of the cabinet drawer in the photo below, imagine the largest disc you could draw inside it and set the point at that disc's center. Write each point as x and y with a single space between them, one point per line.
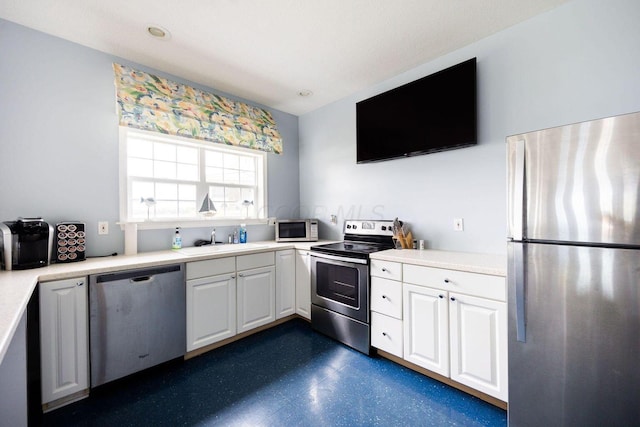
481 285
386 297
248 262
210 267
386 269
386 333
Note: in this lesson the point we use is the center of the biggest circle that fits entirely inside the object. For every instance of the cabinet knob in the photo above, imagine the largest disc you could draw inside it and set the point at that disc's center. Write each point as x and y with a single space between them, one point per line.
446 280
384 269
233 276
384 297
241 275
453 299
80 283
440 296
384 334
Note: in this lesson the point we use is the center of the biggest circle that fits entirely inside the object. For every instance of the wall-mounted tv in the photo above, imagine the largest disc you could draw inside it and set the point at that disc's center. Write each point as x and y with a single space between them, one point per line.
435 113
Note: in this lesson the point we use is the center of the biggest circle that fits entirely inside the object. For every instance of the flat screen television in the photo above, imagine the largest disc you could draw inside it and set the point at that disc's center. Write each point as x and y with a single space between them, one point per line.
432 114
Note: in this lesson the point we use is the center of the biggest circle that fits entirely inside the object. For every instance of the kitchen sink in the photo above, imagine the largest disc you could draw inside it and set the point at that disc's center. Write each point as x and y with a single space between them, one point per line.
215 249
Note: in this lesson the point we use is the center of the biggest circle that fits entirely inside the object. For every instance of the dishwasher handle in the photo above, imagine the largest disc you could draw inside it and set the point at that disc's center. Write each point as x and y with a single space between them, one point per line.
138 275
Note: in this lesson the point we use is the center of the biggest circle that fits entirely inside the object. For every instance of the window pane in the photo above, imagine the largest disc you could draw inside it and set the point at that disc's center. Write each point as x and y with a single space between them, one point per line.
166 209
140 167
231 161
216 194
231 176
214 159
139 210
139 148
187 192
166 192
188 155
164 152
142 190
214 175
247 163
187 209
247 178
187 172
164 170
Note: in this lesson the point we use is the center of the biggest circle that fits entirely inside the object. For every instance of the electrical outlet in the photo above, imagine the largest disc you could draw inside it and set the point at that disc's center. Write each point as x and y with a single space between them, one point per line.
334 219
271 221
458 224
103 227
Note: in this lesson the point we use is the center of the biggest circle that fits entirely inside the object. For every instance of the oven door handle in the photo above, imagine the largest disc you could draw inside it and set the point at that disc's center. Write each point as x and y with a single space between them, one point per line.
339 258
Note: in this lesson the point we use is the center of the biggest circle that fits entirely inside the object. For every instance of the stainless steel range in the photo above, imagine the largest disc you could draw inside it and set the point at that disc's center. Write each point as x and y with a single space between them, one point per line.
340 282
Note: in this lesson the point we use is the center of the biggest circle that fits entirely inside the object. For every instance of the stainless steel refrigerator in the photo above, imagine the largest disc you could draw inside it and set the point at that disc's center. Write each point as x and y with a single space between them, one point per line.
574 274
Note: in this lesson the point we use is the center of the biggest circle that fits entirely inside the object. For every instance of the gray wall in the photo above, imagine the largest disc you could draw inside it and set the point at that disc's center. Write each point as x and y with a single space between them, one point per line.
577 62
59 141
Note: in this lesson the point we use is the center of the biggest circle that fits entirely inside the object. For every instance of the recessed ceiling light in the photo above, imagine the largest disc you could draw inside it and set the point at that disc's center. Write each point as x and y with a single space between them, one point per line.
305 93
158 32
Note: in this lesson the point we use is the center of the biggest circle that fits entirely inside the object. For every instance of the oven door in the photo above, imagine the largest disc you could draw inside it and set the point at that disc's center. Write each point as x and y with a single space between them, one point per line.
341 285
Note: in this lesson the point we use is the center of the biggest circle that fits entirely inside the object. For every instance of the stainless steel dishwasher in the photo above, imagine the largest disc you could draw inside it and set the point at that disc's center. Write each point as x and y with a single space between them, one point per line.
137 319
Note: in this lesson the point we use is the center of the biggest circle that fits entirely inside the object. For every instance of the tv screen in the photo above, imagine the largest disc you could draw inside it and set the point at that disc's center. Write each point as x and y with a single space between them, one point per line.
434 113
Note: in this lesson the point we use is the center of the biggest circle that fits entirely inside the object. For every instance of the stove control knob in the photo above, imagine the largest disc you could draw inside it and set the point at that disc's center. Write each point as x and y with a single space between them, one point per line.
348 226
355 226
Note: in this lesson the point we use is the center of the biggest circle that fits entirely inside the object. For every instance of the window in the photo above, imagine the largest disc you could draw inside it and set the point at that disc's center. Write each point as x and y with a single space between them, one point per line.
166 178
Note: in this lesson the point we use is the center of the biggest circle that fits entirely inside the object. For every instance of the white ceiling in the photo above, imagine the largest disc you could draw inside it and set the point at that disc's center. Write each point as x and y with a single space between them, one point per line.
268 51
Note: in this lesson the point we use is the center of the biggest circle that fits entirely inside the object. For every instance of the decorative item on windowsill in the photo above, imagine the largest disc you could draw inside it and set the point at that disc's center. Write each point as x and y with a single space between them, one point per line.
402 237
246 204
149 203
208 209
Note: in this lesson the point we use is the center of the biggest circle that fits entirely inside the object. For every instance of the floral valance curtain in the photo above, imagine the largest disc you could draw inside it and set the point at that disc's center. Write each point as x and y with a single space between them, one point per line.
153 103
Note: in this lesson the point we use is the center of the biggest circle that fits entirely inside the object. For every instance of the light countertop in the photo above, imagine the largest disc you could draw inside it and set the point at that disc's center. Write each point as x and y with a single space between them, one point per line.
16 286
495 265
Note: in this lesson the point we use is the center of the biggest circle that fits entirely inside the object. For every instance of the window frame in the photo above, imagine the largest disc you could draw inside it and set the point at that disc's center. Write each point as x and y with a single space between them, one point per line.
202 186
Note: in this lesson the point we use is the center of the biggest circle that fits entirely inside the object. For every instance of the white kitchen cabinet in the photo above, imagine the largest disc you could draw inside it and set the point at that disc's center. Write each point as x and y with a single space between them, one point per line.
64 344
455 324
386 307
255 290
303 283
285 283
479 343
426 328
211 301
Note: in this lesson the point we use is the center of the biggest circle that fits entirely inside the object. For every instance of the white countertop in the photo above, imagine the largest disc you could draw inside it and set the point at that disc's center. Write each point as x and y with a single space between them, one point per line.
17 286
495 265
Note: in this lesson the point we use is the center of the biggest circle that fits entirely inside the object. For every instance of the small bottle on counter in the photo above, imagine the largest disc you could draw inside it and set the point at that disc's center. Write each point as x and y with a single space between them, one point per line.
235 236
243 233
177 240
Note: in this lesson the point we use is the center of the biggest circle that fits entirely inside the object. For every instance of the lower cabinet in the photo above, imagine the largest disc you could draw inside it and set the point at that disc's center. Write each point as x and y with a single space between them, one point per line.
303 284
285 283
455 324
64 344
211 301
426 328
256 290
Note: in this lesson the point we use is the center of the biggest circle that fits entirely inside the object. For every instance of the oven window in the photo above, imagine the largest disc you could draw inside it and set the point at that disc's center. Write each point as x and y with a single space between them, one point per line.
292 230
338 283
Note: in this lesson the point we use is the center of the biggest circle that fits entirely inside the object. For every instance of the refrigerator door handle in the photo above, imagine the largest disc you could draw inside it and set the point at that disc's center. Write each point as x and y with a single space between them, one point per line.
520 286
519 190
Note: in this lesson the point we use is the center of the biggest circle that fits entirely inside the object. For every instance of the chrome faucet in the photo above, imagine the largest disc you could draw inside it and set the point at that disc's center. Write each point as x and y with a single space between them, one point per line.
213 237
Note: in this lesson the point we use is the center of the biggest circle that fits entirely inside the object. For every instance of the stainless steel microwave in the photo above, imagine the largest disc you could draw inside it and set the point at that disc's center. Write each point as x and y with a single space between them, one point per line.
297 230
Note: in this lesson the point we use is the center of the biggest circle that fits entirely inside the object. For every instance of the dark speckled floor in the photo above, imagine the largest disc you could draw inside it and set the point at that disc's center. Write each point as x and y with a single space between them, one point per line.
286 376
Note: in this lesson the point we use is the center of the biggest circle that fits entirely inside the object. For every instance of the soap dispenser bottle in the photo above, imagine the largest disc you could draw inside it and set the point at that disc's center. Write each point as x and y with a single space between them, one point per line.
243 233
177 240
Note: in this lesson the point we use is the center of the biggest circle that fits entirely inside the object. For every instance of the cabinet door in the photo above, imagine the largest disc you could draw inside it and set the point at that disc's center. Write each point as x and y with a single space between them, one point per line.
63 338
426 328
479 344
285 283
211 310
256 294
303 284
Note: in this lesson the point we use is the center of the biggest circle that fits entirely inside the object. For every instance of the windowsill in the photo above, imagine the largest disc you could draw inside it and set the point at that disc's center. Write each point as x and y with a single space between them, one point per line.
195 223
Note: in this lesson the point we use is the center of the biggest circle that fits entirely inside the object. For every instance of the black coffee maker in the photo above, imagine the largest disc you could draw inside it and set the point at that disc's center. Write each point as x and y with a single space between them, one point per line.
26 243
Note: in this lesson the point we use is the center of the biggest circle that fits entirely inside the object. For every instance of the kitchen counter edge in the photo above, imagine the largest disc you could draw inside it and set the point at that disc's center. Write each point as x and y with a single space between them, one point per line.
16 286
491 264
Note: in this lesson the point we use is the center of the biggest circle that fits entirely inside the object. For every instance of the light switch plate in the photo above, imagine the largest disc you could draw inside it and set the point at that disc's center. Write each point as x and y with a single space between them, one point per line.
458 224
103 227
